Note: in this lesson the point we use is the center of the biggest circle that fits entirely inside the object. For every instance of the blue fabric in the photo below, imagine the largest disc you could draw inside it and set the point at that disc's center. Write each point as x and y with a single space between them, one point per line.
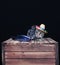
22 38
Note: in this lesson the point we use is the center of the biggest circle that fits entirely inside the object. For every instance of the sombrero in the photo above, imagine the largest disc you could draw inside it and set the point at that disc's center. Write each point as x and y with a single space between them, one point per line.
41 28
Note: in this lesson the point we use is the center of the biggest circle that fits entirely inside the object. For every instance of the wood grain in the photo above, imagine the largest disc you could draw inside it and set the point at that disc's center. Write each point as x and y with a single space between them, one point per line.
30 61
29 64
29 54
51 40
44 40
33 47
41 52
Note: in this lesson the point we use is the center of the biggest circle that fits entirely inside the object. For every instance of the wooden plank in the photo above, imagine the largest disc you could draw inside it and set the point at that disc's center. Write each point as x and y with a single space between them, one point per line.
29 54
51 40
30 61
44 41
31 64
3 56
57 53
14 42
33 47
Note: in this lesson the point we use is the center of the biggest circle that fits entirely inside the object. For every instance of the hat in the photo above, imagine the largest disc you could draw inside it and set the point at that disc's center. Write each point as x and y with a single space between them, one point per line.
41 28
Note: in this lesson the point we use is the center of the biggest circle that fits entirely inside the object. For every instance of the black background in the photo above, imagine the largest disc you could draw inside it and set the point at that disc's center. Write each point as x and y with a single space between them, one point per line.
18 21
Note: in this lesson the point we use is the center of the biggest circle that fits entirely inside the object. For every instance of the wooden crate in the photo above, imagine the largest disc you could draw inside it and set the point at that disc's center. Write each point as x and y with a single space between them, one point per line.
30 53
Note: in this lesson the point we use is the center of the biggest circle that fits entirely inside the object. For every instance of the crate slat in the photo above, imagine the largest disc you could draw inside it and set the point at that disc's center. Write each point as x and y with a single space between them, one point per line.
30 61
44 40
51 40
42 52
30 48
30 64
29 54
